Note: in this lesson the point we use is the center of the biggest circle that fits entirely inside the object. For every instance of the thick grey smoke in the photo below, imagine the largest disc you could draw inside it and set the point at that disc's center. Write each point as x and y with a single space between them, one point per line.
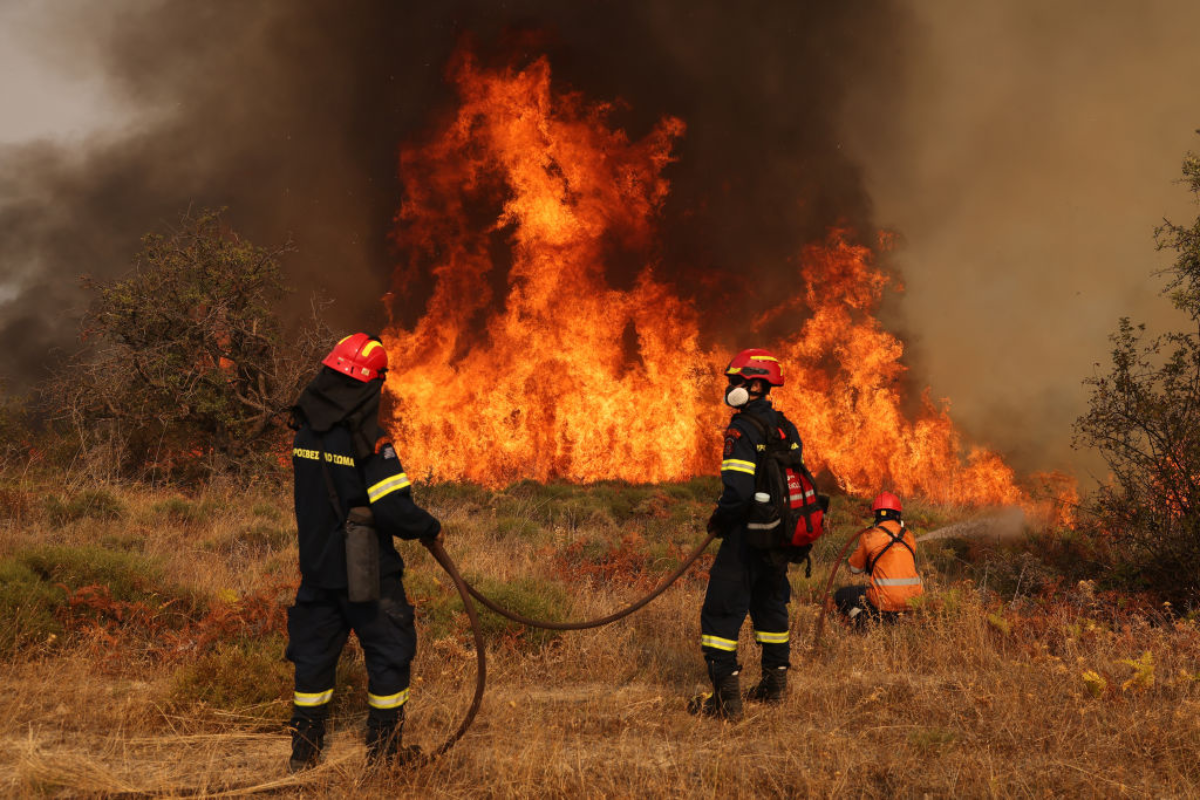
1024 151
291 114
1026 160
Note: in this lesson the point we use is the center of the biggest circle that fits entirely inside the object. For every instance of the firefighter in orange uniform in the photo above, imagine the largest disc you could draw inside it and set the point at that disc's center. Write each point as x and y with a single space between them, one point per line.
887 553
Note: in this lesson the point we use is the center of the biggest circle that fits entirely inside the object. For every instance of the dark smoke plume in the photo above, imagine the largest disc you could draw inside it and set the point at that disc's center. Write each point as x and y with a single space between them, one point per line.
291 114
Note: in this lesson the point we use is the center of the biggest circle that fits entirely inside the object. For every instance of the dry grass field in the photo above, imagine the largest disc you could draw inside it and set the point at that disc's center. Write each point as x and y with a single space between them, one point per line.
142 648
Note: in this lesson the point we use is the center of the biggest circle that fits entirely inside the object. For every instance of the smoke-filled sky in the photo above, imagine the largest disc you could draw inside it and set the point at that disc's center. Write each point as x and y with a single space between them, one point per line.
1023 150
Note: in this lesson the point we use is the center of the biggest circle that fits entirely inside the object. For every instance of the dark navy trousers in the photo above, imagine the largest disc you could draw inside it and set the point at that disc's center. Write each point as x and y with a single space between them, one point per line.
744 579
319 624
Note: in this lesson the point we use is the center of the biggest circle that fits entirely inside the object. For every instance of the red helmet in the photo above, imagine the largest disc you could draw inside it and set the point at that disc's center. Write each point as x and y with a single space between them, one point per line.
754 363
886 501
360 356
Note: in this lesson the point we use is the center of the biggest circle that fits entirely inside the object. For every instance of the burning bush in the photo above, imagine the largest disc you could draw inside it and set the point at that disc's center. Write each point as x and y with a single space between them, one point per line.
1144 418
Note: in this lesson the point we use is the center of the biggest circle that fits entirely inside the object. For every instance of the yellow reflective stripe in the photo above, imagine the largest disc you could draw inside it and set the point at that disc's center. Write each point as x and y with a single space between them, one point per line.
387 701
765 637
312 698
370 345
737 465
387 486
795 446
764 358
717 643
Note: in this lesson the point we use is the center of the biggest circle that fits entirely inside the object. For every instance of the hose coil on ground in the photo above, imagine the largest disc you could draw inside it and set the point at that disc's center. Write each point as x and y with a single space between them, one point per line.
466 591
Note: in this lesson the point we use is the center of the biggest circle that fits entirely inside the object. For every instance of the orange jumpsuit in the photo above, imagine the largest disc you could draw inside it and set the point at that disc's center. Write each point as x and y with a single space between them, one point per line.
887 552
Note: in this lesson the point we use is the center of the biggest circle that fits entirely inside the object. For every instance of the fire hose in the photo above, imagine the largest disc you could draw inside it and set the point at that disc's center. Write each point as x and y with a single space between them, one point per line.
820 626
599 621
439 553
837 562
466 591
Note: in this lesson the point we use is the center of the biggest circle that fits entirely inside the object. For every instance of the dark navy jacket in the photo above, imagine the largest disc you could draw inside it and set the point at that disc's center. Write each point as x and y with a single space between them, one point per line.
378 481
740 460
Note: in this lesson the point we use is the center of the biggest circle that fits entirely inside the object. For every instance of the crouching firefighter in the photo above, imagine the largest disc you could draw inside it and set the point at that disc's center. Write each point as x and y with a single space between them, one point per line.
887 553
768 515
352 496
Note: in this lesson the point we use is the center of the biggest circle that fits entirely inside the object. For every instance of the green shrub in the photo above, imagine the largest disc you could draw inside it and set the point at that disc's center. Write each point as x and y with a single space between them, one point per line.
438 607
125 577
529 597
931 741
703 490
268 511
99 504
235 676
253 539
27 605
517 527
129 542
181 511
129 577
623 501
449 494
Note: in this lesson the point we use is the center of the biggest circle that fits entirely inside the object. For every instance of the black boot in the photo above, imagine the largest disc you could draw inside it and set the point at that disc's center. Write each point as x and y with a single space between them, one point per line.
772 687
385 741
308 738
725 700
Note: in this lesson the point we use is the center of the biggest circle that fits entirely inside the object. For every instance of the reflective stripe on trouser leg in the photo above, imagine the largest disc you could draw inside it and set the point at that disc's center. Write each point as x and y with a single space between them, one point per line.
312 699
389 642
769 596
720 619
717 643
389 701
726 602
317 632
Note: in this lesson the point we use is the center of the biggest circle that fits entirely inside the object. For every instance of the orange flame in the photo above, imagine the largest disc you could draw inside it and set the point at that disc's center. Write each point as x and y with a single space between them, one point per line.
567 377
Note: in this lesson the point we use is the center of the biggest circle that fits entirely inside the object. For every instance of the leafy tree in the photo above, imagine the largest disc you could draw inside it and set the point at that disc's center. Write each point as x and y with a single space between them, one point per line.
187 367
1144 418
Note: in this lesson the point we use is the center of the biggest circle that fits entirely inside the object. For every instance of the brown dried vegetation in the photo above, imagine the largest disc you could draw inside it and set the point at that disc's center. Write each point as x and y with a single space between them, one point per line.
160 669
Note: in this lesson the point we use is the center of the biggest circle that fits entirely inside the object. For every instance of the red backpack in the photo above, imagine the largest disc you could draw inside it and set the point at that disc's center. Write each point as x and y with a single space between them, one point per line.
793 517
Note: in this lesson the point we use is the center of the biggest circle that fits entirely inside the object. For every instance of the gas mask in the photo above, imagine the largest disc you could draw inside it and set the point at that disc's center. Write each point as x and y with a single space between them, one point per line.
737 396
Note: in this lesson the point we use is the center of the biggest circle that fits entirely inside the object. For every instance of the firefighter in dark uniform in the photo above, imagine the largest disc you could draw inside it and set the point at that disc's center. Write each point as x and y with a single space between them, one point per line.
744 578
340 464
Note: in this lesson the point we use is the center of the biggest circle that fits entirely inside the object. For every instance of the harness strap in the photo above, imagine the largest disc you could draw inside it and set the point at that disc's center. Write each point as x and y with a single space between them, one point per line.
895 539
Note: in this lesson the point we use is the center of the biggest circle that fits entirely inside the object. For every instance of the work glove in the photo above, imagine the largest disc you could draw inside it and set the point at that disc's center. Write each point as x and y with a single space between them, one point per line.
436 537
716 525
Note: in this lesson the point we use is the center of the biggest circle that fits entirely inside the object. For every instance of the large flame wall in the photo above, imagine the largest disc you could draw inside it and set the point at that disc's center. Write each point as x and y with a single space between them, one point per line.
553 373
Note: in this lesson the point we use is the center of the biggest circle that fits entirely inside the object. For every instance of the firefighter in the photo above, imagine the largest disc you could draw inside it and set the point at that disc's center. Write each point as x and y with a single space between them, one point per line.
887 553
340 464
744 578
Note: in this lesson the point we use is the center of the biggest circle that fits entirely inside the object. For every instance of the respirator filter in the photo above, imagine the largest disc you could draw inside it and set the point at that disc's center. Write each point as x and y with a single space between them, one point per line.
736 396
